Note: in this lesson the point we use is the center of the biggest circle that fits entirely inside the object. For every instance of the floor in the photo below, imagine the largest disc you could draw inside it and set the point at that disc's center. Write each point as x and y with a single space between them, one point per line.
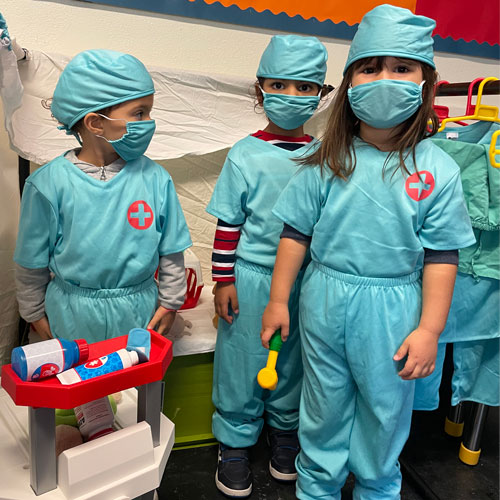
429 462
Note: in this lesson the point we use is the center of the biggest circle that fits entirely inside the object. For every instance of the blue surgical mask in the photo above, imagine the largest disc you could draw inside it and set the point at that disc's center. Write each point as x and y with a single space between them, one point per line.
289 111
385 103
136 139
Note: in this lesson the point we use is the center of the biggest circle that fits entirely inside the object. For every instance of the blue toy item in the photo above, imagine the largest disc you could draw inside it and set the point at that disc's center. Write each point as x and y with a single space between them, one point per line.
392 31
44 359
109 363
97 79
293 57
139 340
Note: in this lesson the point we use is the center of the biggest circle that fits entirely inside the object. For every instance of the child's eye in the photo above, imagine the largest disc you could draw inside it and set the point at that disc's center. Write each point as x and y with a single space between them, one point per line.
368 70
305 87
277 86
402 69
139 114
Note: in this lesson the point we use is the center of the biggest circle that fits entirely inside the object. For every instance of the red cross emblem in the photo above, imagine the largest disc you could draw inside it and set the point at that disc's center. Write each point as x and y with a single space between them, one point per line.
140 215
96 363
420 185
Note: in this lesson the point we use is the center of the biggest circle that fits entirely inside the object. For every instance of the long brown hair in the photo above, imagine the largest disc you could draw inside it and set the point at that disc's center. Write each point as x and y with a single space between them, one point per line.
336 151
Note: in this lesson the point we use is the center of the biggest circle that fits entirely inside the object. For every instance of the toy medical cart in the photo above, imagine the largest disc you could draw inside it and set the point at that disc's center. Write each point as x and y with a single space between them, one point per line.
126 464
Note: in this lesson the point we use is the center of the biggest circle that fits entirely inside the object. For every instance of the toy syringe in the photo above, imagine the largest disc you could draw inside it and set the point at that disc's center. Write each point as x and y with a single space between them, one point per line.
268 377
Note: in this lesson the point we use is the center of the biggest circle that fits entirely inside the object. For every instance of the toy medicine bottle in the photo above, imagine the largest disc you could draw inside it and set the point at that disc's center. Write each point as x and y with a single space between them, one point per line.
44 359
109 363
95 418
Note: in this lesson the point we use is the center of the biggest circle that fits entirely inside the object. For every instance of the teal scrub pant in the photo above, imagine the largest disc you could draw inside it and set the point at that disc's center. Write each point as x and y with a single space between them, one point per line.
98 314
355 411
241 404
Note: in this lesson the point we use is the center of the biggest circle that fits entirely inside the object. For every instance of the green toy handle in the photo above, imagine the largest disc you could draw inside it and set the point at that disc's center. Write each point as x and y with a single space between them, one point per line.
275 343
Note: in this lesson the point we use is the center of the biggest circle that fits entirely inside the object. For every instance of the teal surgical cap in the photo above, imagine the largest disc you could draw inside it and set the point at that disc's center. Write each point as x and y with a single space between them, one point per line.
96 79
293 57
392 31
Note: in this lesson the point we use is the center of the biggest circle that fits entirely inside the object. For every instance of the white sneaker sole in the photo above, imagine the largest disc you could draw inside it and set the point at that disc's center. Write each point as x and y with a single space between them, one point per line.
232 493
280 476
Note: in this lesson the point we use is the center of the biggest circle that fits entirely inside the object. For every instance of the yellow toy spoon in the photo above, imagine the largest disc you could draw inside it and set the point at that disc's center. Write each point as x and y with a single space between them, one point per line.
268 377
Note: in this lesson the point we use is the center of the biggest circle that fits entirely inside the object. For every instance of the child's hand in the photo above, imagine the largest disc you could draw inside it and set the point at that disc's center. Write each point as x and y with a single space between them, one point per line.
42 327
225 296
421 347
163 320
275 316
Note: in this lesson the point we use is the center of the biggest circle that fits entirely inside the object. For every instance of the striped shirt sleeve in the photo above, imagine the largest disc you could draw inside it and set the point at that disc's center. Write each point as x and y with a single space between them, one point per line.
224 251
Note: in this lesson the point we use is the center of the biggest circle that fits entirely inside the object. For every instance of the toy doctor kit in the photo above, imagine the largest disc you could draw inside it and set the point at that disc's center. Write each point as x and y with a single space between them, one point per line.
143 435
95 418
68 417
44 359
101 366
268 377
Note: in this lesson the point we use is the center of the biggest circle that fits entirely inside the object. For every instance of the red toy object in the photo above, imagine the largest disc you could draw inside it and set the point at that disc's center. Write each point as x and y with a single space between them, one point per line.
194 289
194 279
50 393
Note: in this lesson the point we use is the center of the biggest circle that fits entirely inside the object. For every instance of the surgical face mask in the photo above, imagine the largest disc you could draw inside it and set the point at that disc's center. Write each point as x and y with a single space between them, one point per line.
289 111
385 103
136 139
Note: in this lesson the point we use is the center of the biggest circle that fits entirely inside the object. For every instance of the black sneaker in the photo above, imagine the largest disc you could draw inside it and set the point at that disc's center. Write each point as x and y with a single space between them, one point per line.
284 448
233 476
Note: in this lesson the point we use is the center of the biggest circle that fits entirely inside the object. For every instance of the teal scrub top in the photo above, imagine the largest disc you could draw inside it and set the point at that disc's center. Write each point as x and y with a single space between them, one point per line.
95 234
254 174
378 226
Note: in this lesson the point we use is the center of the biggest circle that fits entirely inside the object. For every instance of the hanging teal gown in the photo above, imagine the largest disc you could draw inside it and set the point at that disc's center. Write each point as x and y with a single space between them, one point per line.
473 322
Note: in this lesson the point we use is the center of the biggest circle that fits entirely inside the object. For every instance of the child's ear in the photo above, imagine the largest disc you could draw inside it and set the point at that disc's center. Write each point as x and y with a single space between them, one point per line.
93 123
258 94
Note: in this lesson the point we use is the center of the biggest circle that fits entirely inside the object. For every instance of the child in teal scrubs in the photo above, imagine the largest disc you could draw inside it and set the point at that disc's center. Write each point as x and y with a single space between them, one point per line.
97 221
290 79
381 209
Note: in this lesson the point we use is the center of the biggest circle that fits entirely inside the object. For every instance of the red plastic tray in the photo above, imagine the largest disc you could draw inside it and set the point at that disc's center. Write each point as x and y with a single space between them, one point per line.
50 393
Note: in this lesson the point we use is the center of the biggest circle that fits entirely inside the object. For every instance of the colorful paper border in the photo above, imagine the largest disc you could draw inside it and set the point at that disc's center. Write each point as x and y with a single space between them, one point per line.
282 22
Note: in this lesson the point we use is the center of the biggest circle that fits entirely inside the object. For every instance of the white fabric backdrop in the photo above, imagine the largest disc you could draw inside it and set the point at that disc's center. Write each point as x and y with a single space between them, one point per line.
195 114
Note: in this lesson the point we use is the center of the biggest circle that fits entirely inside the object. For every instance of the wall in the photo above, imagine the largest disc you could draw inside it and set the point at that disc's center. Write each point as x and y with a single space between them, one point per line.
70 26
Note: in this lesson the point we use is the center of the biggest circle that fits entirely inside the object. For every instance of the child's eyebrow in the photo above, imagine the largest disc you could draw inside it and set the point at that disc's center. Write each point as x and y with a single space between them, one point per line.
142 107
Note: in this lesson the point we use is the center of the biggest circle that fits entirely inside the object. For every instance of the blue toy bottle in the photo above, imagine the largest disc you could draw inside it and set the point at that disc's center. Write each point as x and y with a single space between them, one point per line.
44 359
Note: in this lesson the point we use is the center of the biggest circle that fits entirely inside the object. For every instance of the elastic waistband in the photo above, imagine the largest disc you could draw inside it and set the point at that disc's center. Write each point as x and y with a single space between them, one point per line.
367 281
254 267
103 293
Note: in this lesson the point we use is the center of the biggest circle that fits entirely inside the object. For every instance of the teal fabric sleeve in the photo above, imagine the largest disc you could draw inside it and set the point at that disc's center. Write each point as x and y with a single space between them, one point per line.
299 205
447 223
37 229
229 197
175 234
